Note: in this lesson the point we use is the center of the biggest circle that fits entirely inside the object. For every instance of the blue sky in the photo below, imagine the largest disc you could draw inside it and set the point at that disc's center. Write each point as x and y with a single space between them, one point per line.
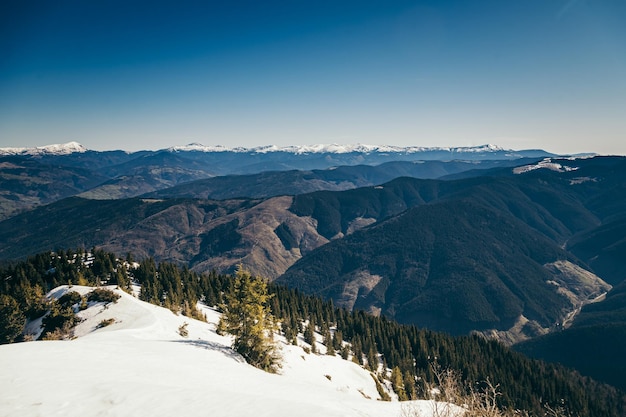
136 75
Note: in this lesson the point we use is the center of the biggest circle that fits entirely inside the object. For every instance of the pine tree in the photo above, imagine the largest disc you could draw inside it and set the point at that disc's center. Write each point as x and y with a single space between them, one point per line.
398 384
409 386
246 316
372 359
309 335
328 341
12 319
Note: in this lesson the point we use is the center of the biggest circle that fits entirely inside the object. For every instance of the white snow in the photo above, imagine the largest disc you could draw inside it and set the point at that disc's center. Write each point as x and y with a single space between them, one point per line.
140 365
57 149
547 163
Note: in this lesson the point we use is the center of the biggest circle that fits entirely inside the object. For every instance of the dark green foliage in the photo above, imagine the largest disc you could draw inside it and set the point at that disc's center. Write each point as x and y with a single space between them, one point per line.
309 336
328 341
27 182
12 319
610 311
69 299
42 272
77 222
247 317
292 182
525 383
603 248
381 391
409 385
397 383
596 351
595 343
472 255
29 280
30 298
59 322
220 239
177 289
73 222
103 295
456 266
285 236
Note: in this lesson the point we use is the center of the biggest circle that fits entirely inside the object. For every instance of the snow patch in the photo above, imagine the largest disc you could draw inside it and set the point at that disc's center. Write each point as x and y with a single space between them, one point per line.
547 163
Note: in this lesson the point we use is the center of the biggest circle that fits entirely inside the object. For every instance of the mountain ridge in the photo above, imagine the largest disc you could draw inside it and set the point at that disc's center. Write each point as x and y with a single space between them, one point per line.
271 235
119 174
75 147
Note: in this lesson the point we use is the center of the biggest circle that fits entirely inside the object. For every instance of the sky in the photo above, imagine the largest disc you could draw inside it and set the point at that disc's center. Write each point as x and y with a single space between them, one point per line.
134 75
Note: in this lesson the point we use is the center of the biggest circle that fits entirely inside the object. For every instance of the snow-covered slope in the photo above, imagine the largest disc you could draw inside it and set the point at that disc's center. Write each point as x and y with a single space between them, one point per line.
141 365
547 163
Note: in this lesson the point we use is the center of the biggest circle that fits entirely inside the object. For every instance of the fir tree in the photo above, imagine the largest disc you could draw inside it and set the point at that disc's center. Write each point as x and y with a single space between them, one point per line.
328 341
409 386
309 335
247 317
12 320
398 384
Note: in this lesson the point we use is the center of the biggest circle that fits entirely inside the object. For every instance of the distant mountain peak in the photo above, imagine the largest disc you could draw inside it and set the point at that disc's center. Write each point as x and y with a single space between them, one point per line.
198 147
56 149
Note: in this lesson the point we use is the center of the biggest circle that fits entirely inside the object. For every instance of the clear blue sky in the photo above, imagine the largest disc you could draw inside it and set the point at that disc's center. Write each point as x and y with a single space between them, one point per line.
136 75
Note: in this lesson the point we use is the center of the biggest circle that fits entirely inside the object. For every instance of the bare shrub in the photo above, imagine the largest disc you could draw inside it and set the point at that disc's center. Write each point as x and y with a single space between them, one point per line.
182 330
105 323
452 398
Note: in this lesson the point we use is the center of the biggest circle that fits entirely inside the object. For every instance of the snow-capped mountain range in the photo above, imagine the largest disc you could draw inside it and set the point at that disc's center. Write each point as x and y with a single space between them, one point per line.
334 149
75 147
56 149
71 169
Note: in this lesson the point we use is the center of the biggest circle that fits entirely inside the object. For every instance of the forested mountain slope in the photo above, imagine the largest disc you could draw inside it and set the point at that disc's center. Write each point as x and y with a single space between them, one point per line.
456 266
543 207
26 183
294 182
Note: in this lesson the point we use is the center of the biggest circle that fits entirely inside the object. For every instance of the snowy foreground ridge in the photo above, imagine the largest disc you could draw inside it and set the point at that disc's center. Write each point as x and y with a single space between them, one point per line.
141 365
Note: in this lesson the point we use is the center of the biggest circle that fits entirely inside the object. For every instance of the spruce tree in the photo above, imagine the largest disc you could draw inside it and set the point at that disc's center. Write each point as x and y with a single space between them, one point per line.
309 335
397 384
12 319
328 341
247 317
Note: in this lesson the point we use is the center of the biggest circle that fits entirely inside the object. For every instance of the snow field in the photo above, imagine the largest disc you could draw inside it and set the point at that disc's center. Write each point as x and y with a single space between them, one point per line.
141 365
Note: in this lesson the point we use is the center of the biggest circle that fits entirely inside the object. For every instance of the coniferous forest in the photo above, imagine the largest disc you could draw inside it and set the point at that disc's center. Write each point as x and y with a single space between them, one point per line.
376 343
